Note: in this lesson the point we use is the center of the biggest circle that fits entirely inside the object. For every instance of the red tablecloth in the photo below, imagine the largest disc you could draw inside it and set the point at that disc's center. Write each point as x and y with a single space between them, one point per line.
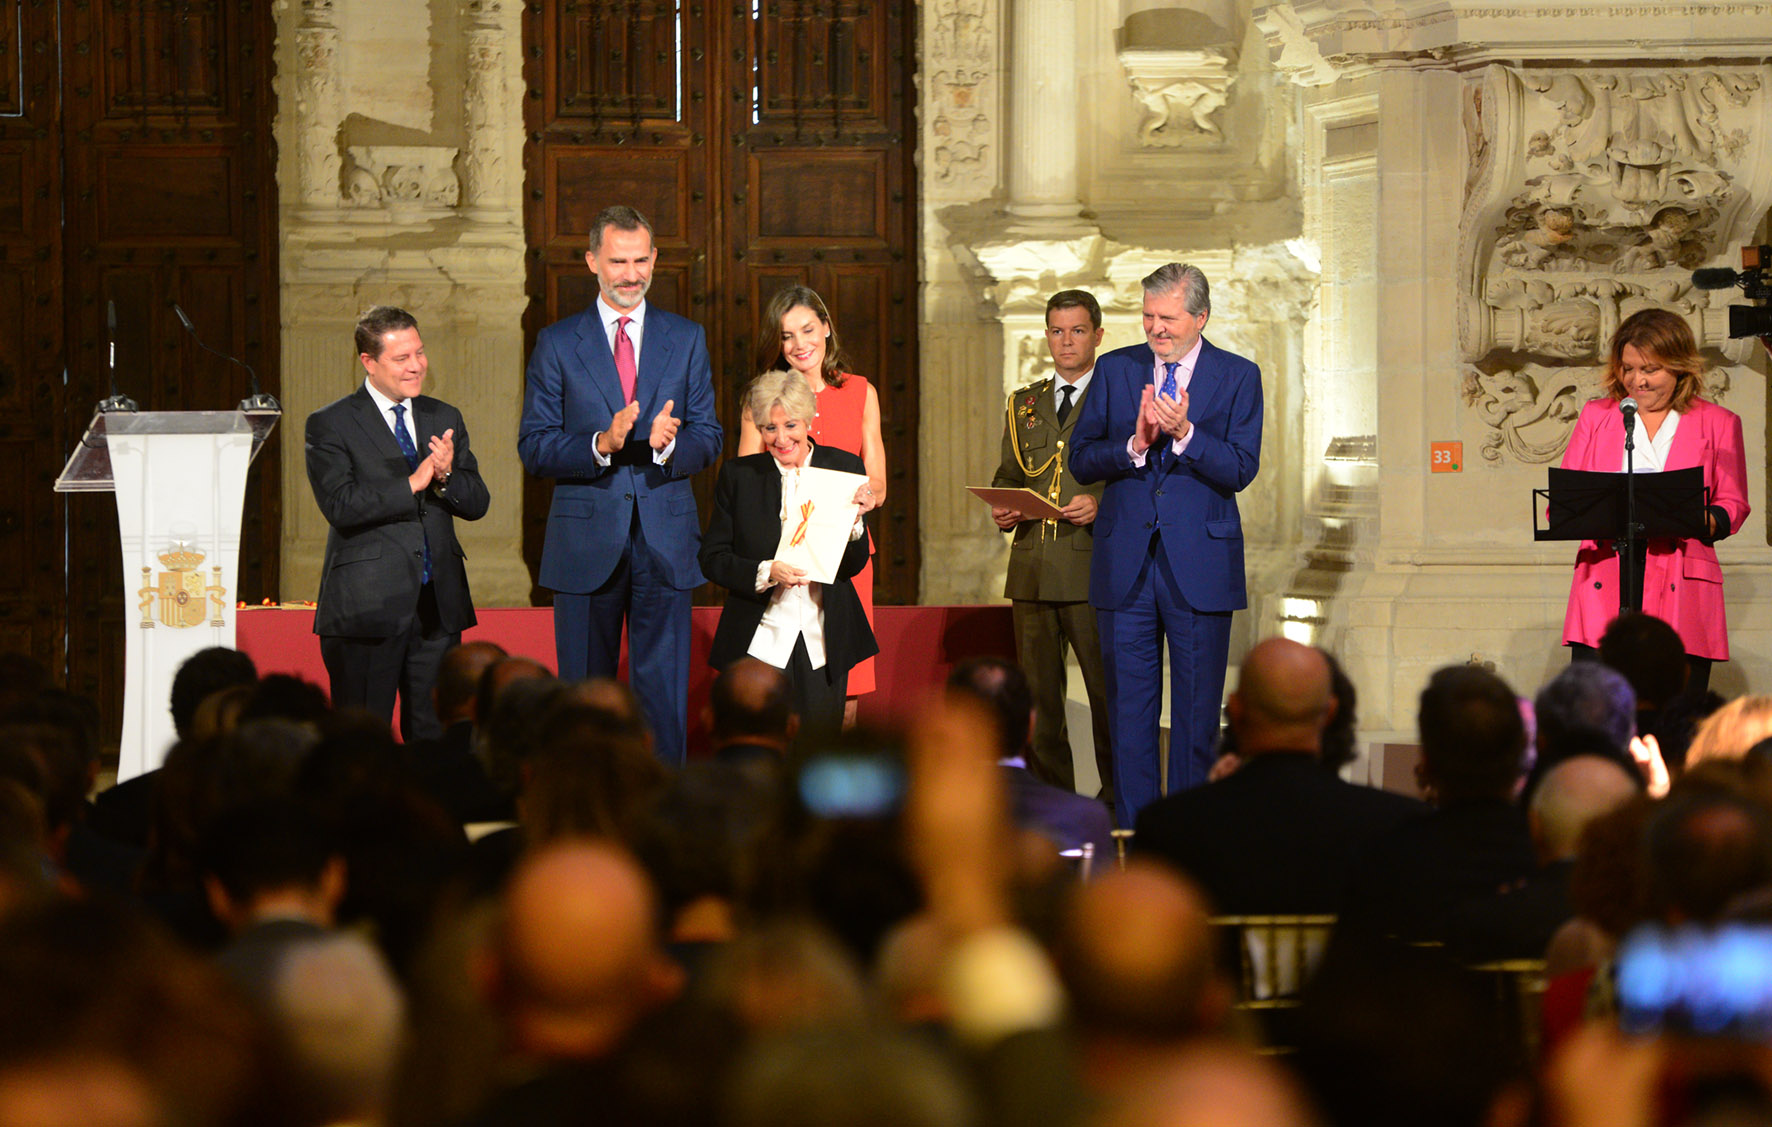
918 647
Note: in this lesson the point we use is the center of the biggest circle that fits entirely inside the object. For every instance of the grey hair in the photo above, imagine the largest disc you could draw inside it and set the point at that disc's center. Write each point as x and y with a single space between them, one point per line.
786 390
1587 698
1190 280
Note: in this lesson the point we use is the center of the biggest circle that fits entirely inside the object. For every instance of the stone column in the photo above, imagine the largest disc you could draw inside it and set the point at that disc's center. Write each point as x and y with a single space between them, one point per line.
317 106
1042 114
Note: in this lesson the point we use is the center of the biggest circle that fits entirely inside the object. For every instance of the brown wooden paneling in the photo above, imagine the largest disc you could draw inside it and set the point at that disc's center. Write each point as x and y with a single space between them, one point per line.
33 604
769 149
162 120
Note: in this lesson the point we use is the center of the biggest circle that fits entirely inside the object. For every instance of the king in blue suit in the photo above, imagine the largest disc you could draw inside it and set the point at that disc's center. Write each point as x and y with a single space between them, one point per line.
1174 429
619 410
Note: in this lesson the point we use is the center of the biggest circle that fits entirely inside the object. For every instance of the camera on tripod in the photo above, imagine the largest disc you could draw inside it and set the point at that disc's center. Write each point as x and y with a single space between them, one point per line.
1755 282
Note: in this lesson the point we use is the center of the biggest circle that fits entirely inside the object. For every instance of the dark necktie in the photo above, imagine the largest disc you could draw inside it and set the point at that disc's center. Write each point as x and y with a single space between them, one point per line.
624 359
1168 390
1064 402
410 452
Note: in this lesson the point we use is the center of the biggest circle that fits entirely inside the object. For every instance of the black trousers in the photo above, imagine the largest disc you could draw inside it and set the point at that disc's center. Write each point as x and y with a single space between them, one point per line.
368 673
818 694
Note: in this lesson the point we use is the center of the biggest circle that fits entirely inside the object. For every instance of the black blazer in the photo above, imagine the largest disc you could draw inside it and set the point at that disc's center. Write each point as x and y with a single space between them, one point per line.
1280 835
374 565
744 531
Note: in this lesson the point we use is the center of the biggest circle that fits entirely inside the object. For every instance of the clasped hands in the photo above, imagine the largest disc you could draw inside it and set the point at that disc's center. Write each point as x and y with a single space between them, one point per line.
1159 415
438 465
664 428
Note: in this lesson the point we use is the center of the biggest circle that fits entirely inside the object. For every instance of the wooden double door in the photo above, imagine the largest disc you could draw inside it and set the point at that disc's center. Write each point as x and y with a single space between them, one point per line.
135 173
768 142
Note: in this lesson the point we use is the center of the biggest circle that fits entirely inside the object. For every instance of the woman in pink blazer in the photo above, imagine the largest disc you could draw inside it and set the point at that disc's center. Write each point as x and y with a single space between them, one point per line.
1654 360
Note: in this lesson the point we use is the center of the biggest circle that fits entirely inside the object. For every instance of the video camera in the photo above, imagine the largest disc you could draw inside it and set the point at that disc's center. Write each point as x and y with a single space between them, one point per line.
1755 281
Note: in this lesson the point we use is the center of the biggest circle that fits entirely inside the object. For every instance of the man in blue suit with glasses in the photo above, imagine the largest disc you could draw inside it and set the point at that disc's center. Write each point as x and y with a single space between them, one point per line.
1174 429
618 409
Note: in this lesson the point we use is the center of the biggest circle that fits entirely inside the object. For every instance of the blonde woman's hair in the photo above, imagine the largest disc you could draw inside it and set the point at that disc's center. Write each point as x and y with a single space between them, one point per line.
1729 731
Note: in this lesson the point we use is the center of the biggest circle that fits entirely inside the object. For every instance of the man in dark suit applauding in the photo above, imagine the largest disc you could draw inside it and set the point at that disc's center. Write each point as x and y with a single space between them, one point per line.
1174 429
391 470
619 410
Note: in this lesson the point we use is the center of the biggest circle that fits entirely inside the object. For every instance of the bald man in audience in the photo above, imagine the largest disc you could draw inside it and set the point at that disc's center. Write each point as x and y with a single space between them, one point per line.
577 964
750 715
1135 953
1280 834
1518 922
579 958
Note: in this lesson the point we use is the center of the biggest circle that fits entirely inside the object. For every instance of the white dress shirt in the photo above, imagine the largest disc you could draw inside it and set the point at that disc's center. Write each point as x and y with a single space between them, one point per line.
793 612
1649 455
387 406
642 429
1077 390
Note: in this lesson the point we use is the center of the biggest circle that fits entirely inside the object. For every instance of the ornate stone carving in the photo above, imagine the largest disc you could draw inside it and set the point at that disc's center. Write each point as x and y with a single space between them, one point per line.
491 116
1532 409
318 104
961 59
1592 194
1181 93
1351 34
407 180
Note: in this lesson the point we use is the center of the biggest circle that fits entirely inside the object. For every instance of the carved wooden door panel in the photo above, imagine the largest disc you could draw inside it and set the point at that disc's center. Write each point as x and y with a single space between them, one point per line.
161 125
33 440
767 143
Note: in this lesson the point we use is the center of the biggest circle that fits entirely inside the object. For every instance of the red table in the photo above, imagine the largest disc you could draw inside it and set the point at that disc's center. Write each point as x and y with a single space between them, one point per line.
918 647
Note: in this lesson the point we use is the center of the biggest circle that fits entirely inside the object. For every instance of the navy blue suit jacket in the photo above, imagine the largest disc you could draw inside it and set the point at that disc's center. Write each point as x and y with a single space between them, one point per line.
571 395
1191 499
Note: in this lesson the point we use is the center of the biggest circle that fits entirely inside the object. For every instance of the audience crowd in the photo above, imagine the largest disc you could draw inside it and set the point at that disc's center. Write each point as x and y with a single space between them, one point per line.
297 921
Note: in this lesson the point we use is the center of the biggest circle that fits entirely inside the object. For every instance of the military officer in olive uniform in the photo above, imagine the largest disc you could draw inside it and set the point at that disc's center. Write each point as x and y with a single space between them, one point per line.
1049 559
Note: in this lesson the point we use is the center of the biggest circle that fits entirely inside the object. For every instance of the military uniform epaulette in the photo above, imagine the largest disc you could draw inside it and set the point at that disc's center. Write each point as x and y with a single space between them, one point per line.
1036 387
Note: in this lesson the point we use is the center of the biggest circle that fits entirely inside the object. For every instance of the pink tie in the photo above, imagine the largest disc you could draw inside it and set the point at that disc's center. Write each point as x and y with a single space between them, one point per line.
624 359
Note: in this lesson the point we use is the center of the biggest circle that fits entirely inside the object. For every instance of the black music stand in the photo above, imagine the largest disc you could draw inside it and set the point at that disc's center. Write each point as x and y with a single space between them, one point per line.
1588 505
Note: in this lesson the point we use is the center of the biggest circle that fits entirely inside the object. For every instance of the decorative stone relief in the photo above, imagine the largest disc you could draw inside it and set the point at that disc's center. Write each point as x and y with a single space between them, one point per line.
407 180
318 104
1531 409
1591 195
1181 93
961 60
487 161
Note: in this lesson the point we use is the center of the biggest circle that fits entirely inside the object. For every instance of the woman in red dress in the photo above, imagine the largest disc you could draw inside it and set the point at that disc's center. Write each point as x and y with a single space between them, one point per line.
797 335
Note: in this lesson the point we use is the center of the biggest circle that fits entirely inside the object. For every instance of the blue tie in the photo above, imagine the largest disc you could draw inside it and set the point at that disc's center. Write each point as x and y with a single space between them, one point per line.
411 453
1168 390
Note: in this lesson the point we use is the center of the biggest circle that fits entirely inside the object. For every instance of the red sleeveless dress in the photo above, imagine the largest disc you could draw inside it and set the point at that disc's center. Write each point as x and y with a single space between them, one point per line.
836 423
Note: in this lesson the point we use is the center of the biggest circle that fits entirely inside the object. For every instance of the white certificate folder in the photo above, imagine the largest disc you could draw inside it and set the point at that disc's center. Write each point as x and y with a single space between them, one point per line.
815 533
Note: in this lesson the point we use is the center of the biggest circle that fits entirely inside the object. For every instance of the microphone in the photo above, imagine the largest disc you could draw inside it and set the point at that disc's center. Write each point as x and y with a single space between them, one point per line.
254 402
115 402
1629 408
1715 278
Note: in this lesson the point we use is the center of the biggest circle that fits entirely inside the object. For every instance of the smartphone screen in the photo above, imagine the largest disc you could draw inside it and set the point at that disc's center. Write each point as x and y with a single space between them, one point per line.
1711 981
851 786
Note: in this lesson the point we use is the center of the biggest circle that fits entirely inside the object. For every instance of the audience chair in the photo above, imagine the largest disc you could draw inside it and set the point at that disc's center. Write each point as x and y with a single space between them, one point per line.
1518 989
1274 957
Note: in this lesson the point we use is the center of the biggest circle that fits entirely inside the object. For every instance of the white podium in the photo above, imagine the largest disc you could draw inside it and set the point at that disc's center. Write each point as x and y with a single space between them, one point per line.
180 481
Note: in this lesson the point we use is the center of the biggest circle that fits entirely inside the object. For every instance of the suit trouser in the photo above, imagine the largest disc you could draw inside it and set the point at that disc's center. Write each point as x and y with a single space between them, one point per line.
1132 639
639 593
818 694
368 673
1042 631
